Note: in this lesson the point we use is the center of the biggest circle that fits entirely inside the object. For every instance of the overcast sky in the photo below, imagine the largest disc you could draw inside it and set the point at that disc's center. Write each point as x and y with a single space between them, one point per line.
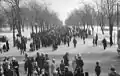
64 7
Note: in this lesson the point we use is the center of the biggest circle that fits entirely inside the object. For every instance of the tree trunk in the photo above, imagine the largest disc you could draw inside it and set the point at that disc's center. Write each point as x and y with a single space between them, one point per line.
43 27
84 26
110 32
39 29
92 30
22 27
14 35
102 28
32 29
36 28
19 28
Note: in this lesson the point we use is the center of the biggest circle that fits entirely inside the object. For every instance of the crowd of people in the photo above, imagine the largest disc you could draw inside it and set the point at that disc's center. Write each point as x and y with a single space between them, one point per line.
42 65
50 38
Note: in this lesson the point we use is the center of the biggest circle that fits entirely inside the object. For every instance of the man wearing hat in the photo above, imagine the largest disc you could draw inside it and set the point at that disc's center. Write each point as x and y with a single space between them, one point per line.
66 59
15 65
113 72
79 63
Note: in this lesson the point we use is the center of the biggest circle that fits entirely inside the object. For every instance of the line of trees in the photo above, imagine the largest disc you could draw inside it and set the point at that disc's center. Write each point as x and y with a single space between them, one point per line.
30 14
103 13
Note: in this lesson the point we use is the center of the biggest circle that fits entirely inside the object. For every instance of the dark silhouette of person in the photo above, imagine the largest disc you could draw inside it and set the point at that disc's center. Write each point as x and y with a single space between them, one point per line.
66 59
29 67
97 69
15 66
104 41
74 42
67 72
79 63
96 39
7 46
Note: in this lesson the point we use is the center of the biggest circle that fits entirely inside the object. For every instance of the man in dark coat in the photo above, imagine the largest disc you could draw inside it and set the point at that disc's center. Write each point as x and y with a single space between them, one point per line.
46 67
38 60
74 42
4 48
15 66
79 63
79 72
67 72
30 67
25 64
62 66
7 46
66 59
96 39
97 69
9 72
68 41
104 43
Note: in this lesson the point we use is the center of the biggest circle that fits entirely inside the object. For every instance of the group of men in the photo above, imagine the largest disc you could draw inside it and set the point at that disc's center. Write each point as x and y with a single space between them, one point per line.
49 39
42 65
9 67
20 43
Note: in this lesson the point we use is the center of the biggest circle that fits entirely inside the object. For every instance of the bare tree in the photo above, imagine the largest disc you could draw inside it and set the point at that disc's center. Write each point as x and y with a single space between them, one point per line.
13 15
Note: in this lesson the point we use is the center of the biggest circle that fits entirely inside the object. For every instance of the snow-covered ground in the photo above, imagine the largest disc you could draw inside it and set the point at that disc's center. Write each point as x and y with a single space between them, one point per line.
106 33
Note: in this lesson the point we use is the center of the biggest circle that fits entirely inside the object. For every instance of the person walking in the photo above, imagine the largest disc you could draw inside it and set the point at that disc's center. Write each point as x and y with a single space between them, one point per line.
15 65
104 41
29 67
79 63
7 46
97 69
74 42
62 66
96 39
66 59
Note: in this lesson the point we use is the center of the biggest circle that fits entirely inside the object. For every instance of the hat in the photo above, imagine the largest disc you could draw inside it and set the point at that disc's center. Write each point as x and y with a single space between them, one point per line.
79 54
112 68
53 59
13 58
